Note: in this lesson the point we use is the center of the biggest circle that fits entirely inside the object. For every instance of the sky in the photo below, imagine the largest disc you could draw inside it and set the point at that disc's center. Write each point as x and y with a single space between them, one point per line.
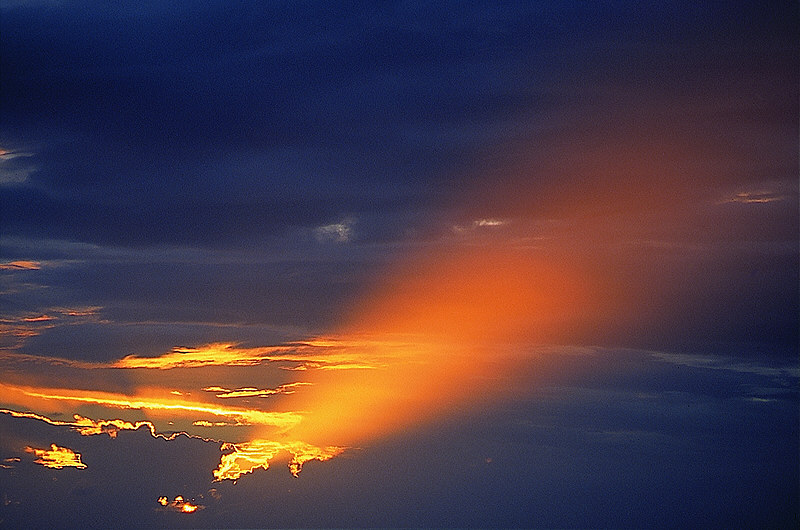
401 264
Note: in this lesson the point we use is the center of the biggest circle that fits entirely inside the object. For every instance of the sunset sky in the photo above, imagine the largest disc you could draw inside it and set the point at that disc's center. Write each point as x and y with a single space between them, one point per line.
399 264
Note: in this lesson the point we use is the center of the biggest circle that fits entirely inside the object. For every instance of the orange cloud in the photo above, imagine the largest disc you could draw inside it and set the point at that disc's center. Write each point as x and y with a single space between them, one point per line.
246 457
57 457
179 504
39 318
312 354
21 265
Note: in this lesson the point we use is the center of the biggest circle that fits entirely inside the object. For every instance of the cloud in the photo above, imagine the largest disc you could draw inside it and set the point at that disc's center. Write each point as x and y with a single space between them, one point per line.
765 193
21 265
487 222
246 457
217 354
25 395
57 457
720 362
288 388
17 328
325 355
341 232
179 504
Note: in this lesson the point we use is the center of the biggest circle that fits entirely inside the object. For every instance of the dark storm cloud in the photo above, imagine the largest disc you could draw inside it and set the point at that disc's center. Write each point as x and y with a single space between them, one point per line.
196 124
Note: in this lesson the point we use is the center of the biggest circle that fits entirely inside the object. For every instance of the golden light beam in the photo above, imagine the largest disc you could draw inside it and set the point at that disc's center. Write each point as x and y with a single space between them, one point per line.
440 327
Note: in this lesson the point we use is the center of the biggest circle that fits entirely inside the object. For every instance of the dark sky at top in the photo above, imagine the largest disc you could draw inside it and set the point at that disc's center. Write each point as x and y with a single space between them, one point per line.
182 160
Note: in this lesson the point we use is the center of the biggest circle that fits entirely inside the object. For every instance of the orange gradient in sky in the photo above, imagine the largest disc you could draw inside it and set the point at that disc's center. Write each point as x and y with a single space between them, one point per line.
438 332
444 324
441 330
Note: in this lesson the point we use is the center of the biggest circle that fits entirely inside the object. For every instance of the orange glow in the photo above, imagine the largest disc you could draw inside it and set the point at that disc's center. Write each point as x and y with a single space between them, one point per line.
433 336
441 328
480 294
57 457
440 332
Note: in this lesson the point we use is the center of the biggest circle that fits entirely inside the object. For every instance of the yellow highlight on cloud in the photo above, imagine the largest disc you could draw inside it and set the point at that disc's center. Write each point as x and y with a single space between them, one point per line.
246 457
57 457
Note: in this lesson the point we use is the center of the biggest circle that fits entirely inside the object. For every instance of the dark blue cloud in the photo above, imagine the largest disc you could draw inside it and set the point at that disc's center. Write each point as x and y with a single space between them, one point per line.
166 106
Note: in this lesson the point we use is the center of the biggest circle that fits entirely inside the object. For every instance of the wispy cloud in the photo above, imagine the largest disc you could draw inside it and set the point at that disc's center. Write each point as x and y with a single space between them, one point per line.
755 197
18 327
763 193
306 355
341 232
24 395
717 362
476 224
288 388
21 265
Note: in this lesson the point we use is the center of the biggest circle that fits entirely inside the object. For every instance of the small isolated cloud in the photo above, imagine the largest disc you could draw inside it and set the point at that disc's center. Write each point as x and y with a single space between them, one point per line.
38 318
476 224
204 423
57 457
221 392
20 265
341 232
8 463
179 504
756 197
488 222
766 192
